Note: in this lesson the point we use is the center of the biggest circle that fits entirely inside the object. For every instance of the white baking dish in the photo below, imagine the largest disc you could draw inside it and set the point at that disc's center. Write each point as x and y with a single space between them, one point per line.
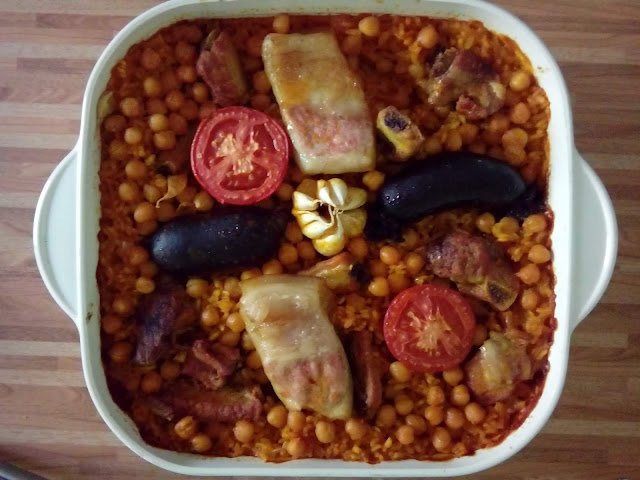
66 227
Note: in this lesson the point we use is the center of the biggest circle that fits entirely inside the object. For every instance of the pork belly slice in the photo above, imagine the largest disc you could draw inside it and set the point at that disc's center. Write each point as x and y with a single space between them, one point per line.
287 318
212 364
321 103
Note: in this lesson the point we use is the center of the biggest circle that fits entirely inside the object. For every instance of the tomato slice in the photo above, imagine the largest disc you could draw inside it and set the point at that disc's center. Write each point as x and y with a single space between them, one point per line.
429 328
240 155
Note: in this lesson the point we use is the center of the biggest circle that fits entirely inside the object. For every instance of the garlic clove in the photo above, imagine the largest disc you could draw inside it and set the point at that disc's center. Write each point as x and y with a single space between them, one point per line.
332 242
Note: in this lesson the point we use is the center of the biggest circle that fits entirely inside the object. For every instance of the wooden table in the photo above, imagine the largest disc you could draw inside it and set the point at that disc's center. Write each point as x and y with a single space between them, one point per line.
47 421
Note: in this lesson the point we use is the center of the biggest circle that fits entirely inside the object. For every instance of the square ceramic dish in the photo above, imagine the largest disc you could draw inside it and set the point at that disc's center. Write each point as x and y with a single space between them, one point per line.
66 228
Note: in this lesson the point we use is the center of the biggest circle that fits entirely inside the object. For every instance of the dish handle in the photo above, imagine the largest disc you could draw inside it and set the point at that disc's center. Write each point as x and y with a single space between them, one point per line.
596 239
54 234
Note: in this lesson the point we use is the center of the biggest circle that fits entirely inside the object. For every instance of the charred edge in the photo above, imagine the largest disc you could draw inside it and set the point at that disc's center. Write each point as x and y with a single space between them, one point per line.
395 121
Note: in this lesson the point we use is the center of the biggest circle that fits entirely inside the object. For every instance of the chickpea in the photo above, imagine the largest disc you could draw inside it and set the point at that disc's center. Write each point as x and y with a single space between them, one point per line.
235 322
151 382
151 193
293 234
400 372
243 431
201 443
166 211
414 263
281 24
248 274
169 370
144 212
137 255
499 123
210 316
197 287
435 395
432 146
441 439
454 376
288 254
178 124
514 138
460 395
186 195
390 255
156 105
145 285
478 147
379 287
529 299
453 142
373 180
121 352
306 250
539 254
150 59
200 92
129 192
529 274
534 224
135 169
434 414
417 423
147 228
260 101
165 140
230 338
203 201
272 267
186 427
481 335
427 37
468 132
118 149
186 73
386 416
285 192
247 344
403 404
325 431
114 123
369 26
295 447
474 413
174 100
111 324
254 46
261 82
485 222
185 53
398 282
133 135
454 418
519 81
520 113
352 44
405 434
355 428
131 107
277 416
358 247
296 421
122 305
232 286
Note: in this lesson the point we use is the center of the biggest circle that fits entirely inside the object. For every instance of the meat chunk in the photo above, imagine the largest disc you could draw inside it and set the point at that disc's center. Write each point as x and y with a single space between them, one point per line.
224 405
158 315
367 383
219 66
321 103
170 162
462 77
287 318
337 271
495 370
477 265
212 364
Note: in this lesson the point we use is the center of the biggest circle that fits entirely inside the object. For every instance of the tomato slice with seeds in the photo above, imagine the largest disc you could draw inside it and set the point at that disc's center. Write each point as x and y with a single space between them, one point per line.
240 155
429 328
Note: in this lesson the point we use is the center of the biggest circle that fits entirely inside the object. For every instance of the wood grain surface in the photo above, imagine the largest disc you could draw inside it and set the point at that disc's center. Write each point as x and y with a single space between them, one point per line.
48 424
